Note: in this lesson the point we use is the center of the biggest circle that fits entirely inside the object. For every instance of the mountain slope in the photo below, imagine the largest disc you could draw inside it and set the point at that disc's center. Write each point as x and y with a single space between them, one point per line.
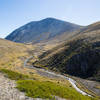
12 57
45 29
12 54
79 56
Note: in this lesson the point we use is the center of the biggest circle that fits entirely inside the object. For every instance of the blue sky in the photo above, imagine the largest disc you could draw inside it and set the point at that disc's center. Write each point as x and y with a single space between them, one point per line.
15 13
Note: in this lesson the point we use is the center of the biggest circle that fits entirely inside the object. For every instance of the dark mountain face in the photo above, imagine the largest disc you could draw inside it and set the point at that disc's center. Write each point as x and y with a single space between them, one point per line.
45 29
79 57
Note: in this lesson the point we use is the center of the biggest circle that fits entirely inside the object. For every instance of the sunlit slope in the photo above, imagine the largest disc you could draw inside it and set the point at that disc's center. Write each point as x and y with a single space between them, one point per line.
11 54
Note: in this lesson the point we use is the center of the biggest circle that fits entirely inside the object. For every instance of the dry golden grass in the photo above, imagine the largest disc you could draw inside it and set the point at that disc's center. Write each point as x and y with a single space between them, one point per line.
12 54
98 86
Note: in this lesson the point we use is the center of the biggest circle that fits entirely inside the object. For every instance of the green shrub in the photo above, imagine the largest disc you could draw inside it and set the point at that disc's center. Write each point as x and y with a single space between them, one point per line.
37 89
14 75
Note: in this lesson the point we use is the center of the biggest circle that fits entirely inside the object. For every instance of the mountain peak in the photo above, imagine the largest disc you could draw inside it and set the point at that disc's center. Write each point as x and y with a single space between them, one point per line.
49 18
44 29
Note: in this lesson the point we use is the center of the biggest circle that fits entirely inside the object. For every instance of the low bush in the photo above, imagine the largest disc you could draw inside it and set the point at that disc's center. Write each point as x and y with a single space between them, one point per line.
37 89
14 75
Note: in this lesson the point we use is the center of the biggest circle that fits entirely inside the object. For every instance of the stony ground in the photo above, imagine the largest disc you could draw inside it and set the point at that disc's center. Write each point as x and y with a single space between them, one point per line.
8 90
91 85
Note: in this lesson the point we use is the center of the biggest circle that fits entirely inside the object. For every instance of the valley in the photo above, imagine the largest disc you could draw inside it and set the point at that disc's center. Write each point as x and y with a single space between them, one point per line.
33 74
51 59
46 73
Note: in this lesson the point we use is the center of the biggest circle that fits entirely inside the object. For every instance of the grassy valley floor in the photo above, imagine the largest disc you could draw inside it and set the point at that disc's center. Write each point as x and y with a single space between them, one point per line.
29 81
36 88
